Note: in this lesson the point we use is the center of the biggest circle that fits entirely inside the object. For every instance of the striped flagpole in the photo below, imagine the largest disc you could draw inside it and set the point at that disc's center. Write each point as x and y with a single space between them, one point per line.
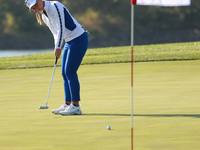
132 60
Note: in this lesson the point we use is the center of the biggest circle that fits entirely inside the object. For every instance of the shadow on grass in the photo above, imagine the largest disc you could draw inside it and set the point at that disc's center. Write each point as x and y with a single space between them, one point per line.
145 115
101 114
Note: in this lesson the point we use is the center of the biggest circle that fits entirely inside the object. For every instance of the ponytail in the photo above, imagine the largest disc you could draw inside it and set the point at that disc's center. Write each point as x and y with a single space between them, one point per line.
38 18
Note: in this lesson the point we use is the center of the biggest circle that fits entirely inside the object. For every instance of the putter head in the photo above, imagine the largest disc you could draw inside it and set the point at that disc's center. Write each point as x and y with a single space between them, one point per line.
43 107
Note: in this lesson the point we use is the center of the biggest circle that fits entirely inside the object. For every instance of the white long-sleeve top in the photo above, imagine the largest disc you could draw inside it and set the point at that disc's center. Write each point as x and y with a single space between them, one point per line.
62 25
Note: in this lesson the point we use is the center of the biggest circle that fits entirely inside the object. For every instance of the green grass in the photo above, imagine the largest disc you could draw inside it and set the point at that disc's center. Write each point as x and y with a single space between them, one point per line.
166 101
162 52
166 108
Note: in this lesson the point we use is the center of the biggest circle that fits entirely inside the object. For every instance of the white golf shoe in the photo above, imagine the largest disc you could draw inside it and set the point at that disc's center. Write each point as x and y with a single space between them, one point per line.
62 108
71 110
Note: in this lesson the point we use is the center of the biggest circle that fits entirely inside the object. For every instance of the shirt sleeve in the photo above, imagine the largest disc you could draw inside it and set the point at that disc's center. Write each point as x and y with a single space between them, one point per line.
58 36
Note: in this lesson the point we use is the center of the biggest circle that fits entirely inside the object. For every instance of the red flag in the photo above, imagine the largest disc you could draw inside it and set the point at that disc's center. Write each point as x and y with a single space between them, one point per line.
133 2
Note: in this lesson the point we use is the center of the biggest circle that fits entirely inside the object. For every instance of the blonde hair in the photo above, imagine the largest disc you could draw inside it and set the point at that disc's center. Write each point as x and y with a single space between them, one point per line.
38 16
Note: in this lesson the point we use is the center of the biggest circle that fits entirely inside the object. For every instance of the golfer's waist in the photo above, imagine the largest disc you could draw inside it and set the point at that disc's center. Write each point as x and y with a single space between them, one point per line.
73 35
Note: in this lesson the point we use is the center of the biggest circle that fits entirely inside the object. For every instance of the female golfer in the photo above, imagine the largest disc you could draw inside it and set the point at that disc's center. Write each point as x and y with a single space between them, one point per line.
64 27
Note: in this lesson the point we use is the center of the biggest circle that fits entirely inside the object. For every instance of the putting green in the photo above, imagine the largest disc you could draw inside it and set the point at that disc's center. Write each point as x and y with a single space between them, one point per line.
166 108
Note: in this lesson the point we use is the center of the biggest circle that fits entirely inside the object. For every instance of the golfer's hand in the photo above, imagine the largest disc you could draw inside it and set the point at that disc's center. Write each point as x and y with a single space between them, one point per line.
57 53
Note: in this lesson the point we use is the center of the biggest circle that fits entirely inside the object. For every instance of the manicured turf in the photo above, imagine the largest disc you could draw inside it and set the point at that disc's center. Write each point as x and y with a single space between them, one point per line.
144 53
166 108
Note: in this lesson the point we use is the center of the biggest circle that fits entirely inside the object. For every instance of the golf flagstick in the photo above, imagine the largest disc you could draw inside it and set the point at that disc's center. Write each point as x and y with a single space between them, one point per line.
46 107
133 2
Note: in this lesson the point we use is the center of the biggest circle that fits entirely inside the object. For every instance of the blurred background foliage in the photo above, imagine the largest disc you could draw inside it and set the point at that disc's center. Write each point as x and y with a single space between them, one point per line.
107 21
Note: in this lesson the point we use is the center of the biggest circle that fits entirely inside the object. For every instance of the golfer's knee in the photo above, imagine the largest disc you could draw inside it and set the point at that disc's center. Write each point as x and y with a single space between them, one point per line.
64 75
71 75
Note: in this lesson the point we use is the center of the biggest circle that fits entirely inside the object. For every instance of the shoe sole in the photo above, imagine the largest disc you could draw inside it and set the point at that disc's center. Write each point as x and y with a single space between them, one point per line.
55 113
71 114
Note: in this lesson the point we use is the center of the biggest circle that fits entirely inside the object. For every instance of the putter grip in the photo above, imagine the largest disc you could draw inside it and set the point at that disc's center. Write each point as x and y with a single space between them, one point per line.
56 60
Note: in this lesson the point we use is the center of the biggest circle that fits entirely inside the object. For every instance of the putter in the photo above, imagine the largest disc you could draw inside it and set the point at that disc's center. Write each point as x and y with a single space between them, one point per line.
46 107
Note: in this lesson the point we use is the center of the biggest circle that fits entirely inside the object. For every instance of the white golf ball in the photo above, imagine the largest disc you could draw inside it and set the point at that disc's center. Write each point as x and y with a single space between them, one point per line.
108 127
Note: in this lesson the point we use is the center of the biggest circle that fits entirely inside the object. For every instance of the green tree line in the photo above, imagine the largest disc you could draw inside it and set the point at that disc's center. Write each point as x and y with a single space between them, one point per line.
107 21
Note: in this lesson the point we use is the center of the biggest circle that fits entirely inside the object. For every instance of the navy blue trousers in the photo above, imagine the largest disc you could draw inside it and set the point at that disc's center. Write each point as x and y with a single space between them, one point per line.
72 56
